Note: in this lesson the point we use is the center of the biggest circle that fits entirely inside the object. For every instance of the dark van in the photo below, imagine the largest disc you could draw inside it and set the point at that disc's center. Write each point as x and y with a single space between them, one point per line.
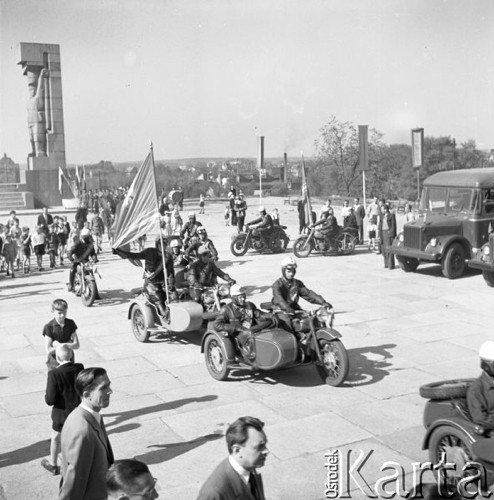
456 215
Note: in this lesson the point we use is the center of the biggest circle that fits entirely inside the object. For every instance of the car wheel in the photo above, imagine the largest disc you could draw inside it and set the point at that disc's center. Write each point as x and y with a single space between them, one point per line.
488 277
454 261
408 264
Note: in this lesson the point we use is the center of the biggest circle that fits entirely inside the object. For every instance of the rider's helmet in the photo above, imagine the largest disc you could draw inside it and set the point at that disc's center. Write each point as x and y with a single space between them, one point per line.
192 216
486 353
203 251
262 210
236 292
325 212
201 231
290 264
175 243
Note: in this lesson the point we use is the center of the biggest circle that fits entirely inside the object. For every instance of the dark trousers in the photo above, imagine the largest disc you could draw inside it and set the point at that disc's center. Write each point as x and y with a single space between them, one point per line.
240 223
361 233
386 243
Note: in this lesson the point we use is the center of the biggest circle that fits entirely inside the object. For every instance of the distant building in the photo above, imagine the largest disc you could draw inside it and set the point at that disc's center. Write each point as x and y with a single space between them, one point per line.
9 171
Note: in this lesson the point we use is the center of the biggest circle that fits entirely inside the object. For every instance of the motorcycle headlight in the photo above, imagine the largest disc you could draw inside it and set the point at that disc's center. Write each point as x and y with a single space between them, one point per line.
208 297
433 242
323 315
224 290
401 238
486 250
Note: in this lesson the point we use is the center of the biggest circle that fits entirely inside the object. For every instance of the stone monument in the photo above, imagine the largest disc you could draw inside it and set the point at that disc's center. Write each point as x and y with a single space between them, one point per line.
41 65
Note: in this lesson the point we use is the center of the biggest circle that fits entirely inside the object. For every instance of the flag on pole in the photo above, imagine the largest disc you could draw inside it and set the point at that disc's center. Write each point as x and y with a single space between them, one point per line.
60 179
78 175
83 177
138 215
306 196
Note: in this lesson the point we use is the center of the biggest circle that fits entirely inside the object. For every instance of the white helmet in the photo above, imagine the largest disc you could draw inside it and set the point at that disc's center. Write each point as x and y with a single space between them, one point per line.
237 290
175 243
486 350
192 214
261 209
288 262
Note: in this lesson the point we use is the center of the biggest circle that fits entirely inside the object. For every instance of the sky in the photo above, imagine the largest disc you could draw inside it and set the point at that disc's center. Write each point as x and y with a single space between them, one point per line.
204 78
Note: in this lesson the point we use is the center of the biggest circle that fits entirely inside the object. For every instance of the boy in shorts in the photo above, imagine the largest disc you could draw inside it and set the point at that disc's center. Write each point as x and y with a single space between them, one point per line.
60 330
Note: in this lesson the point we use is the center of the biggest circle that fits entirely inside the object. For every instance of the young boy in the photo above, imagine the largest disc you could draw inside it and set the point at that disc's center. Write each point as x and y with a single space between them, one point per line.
15 232
52 244
227 215
39 246
9 253
26 250
97 229
60 330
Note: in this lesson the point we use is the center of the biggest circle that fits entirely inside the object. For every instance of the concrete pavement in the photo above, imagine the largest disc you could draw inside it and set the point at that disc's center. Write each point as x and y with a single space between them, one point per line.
401 330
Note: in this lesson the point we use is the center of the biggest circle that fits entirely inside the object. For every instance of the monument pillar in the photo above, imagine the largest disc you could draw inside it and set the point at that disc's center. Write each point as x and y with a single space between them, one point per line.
41 65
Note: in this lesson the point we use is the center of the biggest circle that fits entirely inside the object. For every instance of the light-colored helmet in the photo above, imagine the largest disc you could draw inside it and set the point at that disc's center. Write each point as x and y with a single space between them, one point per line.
288 262
261 210
201 229
85 232
192 215
175 243
237 290
486 350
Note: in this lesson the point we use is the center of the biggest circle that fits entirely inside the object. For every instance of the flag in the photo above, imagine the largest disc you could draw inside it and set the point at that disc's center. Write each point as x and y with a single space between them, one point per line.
138 215
78 175
306 197
83 177
60 179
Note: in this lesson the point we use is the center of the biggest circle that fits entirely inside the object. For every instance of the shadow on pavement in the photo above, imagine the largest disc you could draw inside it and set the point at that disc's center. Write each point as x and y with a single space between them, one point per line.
113 297
227 263
368 365
128 415
436 271
17 284
25 454
169 451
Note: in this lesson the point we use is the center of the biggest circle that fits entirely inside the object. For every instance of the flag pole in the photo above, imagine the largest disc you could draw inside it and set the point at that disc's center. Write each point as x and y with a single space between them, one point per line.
160 234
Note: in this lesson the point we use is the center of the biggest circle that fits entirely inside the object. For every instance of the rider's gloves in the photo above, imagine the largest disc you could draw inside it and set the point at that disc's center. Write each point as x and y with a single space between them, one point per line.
231 282
327 304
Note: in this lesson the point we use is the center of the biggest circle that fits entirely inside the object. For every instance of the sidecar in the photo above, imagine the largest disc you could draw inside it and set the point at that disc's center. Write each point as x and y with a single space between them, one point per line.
184 316
272 349
451 434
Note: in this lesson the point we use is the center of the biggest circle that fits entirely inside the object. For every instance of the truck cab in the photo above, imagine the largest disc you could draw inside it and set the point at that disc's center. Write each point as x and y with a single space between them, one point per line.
456 216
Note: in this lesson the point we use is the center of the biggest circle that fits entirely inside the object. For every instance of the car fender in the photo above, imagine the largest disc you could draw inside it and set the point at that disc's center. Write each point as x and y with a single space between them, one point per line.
460 424
222 339
444 242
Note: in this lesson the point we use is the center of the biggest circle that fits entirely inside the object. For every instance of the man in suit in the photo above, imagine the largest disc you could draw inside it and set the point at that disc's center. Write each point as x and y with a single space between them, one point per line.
44 220
86 450
128 478
359 211
388 235
235 478
61 394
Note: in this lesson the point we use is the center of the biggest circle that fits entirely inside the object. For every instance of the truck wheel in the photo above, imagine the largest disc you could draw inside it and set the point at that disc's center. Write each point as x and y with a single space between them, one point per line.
488 277
408 264
453 263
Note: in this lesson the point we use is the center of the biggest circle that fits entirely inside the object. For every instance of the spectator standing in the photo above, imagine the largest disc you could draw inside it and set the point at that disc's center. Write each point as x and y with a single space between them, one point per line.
15 232
359 212
11 219
39 241
60 330
236 476
52 245
26 250
409 215
127 479
240 207
44 220
345 212
202 204
97 230
9 252
86 450
227 215
62 233
388 235
326 208
231 200
301 216
373 214
61 394
382 204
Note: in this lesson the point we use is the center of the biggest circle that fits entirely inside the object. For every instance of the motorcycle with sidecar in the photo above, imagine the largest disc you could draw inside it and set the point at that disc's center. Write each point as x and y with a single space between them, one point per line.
342 241
276 242
183 315
315 341
451 435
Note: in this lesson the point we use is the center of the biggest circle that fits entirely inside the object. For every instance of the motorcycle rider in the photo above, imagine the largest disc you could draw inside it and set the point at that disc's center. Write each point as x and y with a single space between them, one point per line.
264 226
286 292
154 278
78 253
178 255
190 229
327 227
191 252
203 273
239 317
480 395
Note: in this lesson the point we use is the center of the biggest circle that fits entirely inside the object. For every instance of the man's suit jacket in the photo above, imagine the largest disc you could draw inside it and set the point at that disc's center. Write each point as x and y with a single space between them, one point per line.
45 221
225 484
60 391
359 213
86 456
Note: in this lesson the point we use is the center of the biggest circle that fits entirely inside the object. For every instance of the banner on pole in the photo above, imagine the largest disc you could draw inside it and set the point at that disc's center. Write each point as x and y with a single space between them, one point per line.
417 147
260 152
363 147
306 197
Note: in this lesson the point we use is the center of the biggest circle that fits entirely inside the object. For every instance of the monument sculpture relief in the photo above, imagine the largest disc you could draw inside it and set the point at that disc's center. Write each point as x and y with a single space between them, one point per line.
36 116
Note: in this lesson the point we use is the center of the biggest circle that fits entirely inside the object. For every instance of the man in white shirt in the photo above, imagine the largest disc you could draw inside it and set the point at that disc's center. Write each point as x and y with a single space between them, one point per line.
235 478
86 450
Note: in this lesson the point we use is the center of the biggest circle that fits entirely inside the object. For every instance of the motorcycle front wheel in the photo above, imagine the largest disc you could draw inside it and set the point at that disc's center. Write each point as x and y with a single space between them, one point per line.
346 243
237 247
138 321
88 296
333 367
302 248
215 357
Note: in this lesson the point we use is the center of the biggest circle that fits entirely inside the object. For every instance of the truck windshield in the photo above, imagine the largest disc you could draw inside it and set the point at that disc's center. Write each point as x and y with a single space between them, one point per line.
450 200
